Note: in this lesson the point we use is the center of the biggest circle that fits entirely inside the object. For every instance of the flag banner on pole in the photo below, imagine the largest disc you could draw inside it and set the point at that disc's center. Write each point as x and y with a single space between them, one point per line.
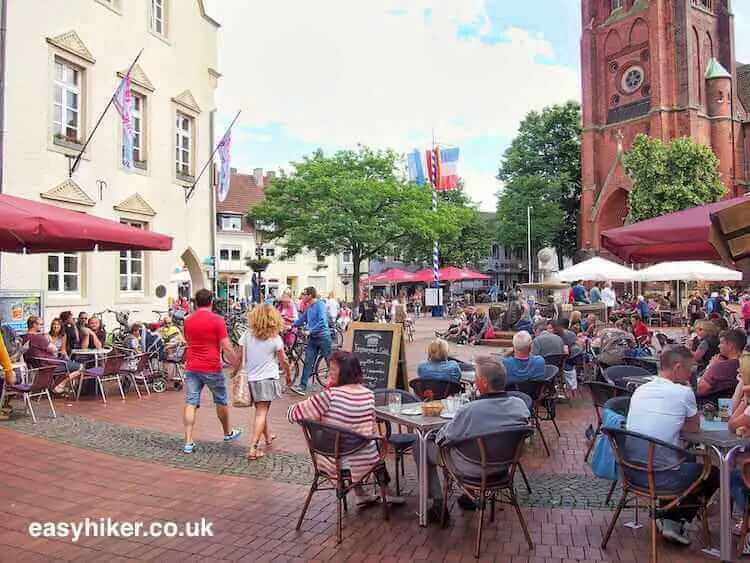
416 167
430 160
123 101
225 172
448 168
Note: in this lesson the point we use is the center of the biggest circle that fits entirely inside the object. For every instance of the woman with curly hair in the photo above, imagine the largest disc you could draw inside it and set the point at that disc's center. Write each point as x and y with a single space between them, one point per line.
263 352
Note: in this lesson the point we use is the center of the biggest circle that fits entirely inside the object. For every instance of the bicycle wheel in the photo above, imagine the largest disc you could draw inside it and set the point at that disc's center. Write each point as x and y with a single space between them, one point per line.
295 369
320 371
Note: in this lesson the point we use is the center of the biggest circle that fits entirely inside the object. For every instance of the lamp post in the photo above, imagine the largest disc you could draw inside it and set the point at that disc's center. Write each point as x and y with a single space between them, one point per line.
260 263
528 239
345 282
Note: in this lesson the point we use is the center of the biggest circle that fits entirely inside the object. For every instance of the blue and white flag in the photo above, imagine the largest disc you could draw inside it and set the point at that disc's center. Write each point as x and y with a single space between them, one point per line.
416 167
225 169
123 101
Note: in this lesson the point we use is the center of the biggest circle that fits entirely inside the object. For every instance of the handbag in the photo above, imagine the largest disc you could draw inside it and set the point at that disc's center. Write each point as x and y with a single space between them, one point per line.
240 390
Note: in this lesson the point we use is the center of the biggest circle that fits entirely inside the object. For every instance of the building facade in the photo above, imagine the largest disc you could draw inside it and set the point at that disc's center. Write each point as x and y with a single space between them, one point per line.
64 62
665 68
237 240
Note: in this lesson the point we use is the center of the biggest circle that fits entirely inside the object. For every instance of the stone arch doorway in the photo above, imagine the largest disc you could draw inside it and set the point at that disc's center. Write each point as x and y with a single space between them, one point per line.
194 268
614 211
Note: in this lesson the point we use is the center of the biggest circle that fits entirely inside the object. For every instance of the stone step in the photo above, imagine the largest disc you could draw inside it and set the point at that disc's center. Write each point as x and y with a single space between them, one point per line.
497 342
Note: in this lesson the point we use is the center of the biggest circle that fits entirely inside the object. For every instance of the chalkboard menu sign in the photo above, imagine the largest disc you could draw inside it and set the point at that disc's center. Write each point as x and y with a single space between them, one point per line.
380 349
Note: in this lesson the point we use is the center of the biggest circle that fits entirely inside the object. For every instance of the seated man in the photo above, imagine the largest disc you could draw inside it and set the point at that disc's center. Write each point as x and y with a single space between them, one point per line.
522 366
662 409
491 413
438 366
41 349
721 373
546 342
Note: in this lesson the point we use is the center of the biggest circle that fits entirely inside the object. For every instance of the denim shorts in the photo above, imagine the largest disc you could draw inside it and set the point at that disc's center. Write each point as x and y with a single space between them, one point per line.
194 382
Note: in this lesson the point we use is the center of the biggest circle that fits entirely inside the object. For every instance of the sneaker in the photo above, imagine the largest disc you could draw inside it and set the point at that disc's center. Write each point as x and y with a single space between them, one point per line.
746 545
236 433
189 447
298 389
674 531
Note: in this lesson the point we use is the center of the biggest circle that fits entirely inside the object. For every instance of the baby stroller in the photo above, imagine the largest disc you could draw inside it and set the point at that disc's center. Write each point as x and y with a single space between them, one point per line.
174 369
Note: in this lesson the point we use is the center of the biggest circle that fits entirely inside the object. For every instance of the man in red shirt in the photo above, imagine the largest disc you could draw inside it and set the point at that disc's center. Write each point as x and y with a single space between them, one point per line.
206 337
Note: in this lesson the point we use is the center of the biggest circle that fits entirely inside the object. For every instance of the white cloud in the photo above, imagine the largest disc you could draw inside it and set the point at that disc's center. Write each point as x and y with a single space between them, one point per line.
742 31
345 71
481 187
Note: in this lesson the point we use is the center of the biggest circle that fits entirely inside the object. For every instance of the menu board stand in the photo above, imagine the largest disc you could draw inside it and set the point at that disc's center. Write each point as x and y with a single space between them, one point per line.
381 352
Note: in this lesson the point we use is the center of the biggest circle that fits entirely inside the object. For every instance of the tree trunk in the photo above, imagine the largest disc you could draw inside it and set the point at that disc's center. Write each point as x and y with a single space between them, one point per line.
356 260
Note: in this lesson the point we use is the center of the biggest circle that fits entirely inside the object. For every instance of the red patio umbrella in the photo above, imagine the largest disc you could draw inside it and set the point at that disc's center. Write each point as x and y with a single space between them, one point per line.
683 235
394 275
34 227
451 274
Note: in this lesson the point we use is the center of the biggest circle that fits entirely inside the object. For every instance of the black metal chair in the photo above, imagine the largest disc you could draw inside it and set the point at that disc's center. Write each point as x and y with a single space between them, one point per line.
615 375
434 389
529 405
642 460
484 468
600 394
401 442
328 446
541 392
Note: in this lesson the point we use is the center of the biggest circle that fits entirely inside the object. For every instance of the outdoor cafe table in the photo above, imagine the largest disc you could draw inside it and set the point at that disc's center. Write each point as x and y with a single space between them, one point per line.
421 425
724 444
96 353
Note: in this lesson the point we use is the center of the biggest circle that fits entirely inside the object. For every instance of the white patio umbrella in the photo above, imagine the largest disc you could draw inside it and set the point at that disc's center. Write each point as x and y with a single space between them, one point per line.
689 270
598 269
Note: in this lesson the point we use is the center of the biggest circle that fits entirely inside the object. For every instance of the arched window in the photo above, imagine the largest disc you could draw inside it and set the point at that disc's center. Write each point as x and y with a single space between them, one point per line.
617 4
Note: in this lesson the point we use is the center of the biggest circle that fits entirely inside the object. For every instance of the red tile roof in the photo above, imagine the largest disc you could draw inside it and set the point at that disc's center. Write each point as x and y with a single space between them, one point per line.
244 192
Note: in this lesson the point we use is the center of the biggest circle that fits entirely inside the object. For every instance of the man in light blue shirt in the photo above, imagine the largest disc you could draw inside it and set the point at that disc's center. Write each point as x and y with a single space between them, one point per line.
522 366
315 317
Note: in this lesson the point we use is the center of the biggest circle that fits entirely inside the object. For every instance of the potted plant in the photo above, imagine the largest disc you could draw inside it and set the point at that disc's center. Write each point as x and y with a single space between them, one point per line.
257 264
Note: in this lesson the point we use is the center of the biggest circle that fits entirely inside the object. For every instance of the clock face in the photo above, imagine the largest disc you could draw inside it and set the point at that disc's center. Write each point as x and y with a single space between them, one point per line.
632 79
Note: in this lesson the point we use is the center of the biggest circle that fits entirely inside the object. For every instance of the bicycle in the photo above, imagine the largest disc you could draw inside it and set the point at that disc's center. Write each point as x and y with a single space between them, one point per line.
296 356
118 334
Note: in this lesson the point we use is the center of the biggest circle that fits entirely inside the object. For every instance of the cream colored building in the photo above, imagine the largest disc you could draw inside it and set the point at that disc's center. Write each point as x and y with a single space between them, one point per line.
237 239
64 61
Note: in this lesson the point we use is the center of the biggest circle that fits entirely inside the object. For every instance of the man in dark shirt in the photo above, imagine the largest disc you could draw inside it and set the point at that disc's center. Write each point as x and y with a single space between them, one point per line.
721 373
546 342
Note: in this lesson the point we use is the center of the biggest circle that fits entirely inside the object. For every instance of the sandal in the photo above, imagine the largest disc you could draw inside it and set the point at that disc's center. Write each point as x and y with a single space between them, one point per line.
255 453
270 442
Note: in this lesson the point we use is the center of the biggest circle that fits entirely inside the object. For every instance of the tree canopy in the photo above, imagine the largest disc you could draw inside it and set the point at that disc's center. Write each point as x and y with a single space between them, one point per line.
670 177
542 168
355 201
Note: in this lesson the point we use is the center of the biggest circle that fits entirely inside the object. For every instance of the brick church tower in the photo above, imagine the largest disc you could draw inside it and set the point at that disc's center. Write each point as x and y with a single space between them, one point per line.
665 68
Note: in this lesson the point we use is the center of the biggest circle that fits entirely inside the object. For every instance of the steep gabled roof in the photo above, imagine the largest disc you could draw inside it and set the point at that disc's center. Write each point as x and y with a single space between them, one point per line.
743 85
244 192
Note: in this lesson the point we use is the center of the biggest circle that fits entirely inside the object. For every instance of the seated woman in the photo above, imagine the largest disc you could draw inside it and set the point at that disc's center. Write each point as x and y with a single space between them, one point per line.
41 349
95 326
705 343
739 423
575 321
478 327
438 366
132 344
348 403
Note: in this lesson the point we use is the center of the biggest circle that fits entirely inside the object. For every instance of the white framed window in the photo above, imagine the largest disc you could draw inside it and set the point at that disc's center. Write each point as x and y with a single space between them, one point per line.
224 254
138 113
231 223
184 131
270 252
320 257
159 17
64 273
67 104
346 257
131 265
617 4
235 254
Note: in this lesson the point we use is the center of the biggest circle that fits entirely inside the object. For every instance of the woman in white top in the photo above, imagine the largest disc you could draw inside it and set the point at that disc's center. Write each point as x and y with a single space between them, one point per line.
608 296
262 352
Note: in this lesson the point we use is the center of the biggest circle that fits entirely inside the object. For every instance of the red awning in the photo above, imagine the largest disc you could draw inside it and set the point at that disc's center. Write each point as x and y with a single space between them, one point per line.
451 274
394 275
34 227
683 235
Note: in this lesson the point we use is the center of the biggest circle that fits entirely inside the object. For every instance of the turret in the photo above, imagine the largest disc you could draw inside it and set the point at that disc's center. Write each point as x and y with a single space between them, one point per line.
719 108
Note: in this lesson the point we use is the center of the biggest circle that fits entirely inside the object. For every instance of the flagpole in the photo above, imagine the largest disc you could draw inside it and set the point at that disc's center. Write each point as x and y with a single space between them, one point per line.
189 191
77 161
435 247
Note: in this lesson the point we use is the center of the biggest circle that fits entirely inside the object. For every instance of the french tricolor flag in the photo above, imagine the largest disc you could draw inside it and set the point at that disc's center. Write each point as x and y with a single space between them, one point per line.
448 169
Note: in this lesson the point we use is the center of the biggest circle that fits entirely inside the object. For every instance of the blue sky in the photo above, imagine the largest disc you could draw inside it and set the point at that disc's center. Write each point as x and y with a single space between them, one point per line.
335 73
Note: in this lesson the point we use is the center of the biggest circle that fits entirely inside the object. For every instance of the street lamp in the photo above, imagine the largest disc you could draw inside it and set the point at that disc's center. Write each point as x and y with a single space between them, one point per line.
528 239
260 263
345 282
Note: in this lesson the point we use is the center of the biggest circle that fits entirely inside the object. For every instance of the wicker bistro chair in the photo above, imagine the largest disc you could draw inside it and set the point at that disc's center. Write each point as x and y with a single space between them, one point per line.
542 401
38 362
334 443
559 361
41 380
401 442
615 375
434 389
109 371
600 394
639 476
484 468
140 373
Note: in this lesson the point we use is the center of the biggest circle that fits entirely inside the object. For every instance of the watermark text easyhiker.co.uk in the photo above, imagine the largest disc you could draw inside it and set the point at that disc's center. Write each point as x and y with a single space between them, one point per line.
107 527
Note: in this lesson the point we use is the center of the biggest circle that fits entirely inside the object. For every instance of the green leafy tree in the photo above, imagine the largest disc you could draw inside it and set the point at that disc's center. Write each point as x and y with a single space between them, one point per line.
547 151
468 245
670 177
353 201
547 216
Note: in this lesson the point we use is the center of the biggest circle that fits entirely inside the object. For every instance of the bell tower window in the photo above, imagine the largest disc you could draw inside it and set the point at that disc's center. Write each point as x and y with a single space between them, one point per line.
632 79
617 4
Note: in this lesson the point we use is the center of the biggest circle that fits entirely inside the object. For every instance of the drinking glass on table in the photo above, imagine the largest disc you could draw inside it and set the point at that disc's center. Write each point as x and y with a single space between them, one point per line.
394 402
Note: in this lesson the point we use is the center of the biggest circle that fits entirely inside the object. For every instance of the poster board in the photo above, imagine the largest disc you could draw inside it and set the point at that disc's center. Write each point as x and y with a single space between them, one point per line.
18 305
380 349
433 297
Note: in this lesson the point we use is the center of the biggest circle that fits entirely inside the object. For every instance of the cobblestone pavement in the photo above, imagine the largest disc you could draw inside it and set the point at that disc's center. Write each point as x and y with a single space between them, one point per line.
548 490
124 461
